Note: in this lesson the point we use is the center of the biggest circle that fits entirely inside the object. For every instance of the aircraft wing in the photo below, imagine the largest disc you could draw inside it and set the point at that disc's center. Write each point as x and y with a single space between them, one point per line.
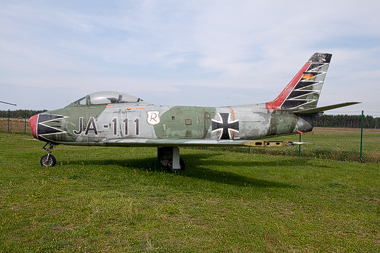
325 108
195 142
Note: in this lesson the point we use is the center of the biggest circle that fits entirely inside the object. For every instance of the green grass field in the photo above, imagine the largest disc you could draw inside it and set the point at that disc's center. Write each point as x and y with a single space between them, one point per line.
120 200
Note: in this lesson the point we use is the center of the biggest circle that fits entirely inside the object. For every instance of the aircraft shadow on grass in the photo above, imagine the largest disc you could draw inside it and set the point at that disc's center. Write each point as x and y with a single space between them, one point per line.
198 169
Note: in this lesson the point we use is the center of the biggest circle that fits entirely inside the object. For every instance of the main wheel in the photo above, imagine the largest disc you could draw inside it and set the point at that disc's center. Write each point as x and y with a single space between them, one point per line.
48 160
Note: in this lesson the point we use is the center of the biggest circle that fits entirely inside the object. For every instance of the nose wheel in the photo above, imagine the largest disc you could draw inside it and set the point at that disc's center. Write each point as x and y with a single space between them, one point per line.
48 159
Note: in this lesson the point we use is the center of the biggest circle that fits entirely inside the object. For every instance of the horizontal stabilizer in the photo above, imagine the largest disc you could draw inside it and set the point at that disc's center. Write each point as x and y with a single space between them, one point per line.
325 108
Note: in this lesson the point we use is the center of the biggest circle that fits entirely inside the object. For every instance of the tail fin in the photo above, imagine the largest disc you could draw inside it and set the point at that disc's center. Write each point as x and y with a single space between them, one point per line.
303 91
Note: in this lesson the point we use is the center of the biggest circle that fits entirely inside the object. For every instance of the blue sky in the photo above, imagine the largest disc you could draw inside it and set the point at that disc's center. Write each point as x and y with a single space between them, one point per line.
206 53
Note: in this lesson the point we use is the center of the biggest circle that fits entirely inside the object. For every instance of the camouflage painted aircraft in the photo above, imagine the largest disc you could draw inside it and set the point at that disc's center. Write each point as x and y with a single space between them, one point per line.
118 119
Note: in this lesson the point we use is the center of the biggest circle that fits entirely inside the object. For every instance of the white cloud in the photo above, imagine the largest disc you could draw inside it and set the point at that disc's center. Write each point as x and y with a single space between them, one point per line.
161 47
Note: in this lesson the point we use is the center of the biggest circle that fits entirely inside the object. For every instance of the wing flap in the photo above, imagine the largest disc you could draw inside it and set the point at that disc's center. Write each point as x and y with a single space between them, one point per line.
196 142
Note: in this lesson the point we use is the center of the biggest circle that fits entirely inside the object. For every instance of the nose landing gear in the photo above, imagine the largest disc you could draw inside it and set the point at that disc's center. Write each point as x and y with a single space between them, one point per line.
48 159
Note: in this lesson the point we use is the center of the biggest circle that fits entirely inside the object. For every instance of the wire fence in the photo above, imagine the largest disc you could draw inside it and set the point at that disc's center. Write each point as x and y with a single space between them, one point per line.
351 142
344 144
17 121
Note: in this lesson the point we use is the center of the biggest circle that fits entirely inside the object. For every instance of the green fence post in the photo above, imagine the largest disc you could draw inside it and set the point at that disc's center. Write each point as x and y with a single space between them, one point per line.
25 122
361 138
9 115
299 147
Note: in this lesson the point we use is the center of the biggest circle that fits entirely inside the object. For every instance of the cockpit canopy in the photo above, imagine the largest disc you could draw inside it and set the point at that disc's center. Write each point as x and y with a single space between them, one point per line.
107 97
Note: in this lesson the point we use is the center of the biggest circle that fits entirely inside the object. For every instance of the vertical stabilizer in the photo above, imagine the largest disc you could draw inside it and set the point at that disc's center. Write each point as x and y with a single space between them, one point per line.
304 89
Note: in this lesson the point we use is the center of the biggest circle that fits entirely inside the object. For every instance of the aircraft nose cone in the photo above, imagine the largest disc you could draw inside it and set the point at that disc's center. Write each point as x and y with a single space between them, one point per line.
33 123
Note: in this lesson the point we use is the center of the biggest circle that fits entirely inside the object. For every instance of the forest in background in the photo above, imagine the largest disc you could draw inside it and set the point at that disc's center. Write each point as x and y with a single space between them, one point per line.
349 121
20 114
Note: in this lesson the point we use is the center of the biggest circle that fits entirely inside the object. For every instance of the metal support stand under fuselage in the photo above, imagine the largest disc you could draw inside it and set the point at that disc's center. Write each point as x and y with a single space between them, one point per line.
175 159
169 157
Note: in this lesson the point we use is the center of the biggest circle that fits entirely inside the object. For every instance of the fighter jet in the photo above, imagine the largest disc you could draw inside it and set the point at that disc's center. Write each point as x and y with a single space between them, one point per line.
111 118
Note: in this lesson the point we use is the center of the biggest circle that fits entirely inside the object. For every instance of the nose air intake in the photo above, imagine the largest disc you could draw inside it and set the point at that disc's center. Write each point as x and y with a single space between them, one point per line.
34 124
46 126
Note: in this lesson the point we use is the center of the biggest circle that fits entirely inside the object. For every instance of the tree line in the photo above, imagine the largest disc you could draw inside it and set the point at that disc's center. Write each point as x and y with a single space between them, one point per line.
350 121
19 114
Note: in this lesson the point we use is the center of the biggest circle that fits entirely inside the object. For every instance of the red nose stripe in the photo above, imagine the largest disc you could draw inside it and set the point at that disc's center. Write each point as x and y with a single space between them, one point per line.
33 123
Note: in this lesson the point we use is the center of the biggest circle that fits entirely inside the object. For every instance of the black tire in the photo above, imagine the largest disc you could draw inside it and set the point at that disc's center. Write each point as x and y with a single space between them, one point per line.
48 160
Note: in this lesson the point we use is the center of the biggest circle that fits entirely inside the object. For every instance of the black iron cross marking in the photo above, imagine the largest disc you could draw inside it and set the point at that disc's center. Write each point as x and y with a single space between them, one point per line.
225 126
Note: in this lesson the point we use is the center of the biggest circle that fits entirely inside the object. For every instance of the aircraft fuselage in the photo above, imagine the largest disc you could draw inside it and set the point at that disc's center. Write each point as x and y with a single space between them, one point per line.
95 124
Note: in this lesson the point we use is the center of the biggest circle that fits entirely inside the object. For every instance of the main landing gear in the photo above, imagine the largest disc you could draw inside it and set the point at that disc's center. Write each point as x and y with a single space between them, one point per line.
48 159
169 157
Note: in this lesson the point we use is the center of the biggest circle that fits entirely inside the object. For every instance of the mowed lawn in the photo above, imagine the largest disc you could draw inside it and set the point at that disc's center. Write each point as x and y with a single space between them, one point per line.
121 200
